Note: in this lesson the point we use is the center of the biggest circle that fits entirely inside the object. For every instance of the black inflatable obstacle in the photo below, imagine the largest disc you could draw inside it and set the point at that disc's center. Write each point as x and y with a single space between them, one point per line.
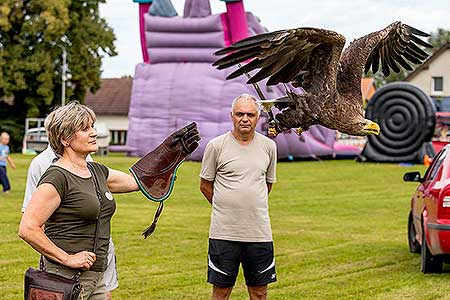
407 117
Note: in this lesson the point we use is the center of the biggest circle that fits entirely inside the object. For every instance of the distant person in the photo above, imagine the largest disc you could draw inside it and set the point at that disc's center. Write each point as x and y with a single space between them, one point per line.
238 170
4 160
66 201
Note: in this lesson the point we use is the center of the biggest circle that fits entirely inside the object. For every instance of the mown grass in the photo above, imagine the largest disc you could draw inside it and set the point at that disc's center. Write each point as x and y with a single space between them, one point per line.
339 230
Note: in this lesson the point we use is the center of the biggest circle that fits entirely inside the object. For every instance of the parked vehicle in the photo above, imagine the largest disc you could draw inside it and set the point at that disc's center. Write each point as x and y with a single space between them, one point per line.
429 218
35 139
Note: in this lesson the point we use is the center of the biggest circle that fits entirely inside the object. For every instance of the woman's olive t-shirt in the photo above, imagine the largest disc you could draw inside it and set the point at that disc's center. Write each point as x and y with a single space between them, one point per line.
72 225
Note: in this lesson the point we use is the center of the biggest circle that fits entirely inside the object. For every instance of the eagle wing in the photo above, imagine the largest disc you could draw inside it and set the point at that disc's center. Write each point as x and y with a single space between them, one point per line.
396 45
306 57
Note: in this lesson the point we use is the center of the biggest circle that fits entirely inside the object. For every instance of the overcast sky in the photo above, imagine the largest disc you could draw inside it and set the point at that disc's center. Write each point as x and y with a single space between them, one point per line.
352 18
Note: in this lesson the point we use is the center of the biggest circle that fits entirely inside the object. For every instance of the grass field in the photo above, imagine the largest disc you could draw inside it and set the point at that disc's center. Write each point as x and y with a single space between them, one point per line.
339 231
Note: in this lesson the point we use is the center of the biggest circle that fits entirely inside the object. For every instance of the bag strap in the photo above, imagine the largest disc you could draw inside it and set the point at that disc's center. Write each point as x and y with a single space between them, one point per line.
99 196
97 227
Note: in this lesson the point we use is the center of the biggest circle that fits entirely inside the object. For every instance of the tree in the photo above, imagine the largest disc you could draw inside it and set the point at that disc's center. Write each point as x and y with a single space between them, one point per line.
439 38
30 60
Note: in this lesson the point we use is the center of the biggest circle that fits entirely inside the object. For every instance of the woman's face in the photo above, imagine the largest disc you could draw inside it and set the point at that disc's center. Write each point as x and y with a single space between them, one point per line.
85 140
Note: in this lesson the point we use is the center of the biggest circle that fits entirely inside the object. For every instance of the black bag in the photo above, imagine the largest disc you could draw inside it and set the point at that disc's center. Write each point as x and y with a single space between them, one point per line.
42 285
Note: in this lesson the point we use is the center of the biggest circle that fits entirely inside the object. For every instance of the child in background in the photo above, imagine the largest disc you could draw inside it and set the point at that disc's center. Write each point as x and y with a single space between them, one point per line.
4 158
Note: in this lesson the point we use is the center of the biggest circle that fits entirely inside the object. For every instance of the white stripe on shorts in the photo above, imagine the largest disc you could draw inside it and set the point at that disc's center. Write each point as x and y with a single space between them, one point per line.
212 266
269 267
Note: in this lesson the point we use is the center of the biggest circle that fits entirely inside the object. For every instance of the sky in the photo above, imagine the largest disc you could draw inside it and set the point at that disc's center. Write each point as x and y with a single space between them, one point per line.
352 18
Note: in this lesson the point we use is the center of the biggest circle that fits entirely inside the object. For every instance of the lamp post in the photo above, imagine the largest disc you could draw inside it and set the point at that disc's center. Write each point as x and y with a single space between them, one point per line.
63 74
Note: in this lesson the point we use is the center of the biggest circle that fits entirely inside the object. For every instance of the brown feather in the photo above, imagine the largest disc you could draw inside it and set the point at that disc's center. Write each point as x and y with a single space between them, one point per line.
411 57
416 31
419 53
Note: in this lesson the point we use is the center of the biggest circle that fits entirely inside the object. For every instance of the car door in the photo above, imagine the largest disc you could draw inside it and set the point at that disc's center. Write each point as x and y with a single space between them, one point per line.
427 195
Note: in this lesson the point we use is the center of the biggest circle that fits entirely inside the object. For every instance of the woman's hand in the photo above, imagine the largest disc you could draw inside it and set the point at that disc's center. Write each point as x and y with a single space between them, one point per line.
81 260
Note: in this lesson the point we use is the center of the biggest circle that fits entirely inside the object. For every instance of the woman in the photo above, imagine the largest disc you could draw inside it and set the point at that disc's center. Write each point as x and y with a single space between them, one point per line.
66 202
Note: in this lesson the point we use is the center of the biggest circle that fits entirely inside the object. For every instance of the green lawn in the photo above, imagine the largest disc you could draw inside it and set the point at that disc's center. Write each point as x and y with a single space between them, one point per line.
339 230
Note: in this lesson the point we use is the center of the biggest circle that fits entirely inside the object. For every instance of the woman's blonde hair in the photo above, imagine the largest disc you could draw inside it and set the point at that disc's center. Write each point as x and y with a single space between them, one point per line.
63 122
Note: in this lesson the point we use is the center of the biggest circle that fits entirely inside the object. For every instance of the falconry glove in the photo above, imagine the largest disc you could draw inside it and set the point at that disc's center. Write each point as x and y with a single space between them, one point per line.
155 173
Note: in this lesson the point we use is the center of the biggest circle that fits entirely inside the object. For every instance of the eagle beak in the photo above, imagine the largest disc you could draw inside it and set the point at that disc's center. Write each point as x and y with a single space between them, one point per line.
371 128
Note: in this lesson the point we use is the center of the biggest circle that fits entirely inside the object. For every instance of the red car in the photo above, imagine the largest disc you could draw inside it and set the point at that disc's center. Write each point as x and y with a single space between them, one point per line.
429 218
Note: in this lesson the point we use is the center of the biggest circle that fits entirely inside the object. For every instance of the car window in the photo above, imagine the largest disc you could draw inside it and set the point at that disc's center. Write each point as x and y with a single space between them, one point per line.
437 162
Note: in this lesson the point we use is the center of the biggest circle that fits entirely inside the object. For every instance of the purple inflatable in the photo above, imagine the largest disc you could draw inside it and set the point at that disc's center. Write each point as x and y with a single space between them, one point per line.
176 84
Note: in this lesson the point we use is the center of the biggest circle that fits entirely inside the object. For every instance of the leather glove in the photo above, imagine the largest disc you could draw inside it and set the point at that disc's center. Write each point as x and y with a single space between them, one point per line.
155 173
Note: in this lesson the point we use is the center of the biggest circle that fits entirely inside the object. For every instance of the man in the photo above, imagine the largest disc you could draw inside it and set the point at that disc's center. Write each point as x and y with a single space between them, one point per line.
238 170
37 167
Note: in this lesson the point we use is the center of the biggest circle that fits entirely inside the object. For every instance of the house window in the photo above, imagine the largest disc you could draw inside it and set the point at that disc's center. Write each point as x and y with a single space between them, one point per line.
118 137
437 85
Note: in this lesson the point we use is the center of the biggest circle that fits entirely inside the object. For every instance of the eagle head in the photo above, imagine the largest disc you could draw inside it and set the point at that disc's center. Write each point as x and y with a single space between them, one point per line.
365 127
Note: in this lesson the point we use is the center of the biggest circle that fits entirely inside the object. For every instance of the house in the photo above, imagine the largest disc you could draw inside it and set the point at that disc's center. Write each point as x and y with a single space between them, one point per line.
111 104
367 89
433 77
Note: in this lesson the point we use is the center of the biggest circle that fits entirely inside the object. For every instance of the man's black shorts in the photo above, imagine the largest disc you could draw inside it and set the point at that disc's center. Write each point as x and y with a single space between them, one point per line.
257 261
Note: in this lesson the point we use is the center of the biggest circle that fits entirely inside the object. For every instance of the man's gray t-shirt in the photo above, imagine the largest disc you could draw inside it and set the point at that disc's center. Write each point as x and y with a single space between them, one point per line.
240 197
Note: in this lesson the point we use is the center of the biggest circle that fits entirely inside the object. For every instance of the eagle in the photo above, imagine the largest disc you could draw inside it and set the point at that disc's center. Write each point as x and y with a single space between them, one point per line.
312 58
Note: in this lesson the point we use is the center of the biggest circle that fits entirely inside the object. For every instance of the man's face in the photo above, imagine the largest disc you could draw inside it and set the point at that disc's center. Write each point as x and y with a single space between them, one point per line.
245 116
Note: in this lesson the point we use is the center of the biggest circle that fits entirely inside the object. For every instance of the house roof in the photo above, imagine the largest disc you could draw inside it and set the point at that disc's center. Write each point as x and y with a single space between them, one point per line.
367 87
427 62
113 97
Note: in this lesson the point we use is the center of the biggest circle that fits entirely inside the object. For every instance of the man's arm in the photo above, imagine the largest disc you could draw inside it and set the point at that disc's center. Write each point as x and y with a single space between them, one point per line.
207 188
34 174
269 187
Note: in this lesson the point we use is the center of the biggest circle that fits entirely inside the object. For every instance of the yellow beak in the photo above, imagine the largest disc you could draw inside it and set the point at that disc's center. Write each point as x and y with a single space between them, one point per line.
371 128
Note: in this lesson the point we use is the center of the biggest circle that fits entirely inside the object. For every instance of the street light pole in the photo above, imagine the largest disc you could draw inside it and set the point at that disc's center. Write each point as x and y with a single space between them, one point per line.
63 74
63 77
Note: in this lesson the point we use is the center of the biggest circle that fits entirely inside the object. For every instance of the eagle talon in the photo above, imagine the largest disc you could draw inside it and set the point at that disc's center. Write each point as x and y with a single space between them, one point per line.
274 128
299 131
271 131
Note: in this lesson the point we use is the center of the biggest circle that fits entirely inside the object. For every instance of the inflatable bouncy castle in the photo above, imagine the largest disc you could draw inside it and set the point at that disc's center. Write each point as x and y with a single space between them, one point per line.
176 83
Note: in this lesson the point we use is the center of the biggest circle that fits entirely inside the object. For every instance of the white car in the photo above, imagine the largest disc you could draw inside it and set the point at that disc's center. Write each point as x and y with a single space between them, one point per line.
34 141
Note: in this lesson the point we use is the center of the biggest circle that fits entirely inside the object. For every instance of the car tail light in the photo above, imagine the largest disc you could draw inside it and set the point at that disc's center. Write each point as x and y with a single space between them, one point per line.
444 206
446 201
